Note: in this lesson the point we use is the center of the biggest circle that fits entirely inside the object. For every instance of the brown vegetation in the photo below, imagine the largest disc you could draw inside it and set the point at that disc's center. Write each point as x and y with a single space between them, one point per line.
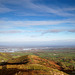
30 65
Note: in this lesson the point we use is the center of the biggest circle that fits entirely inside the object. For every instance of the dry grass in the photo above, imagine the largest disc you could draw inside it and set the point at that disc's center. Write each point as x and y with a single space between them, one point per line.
34 66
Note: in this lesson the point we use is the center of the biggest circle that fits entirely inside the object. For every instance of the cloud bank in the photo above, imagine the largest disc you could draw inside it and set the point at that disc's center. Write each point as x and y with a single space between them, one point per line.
9 24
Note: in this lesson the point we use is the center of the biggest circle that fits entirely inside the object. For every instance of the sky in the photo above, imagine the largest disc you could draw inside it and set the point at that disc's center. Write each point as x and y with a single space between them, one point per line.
37 22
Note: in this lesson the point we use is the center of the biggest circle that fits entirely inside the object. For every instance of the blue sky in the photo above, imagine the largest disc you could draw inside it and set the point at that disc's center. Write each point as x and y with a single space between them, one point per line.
30 21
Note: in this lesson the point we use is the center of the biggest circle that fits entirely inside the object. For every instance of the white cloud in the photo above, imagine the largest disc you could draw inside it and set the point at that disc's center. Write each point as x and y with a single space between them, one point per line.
4 10
13 24
56 10
23 5
36 31
11 31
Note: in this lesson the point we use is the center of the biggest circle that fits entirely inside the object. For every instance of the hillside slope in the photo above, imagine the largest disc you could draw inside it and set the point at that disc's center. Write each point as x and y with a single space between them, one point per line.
30 65
4 56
